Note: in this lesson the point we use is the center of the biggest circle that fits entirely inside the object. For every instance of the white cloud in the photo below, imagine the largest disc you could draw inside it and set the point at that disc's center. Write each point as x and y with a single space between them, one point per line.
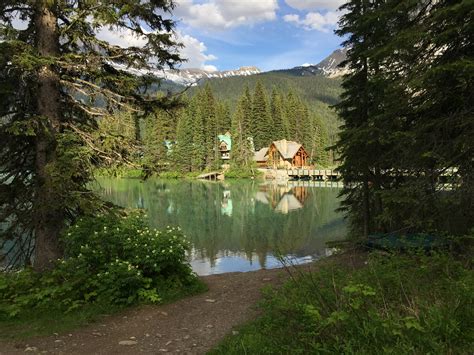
315 20
123 38
209 68
315 4
194 50
224 14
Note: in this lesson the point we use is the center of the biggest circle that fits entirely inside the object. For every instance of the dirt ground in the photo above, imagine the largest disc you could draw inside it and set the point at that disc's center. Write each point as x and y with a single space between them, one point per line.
192 325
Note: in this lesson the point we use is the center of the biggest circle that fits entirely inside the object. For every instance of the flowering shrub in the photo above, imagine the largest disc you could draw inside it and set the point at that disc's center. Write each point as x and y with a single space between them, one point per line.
109 259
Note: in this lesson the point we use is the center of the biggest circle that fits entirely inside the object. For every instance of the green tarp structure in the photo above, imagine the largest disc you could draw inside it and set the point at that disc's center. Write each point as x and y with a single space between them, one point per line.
408 241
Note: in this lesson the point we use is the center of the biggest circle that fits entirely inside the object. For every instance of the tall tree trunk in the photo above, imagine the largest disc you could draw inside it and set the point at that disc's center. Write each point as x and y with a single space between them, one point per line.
48 210
366 207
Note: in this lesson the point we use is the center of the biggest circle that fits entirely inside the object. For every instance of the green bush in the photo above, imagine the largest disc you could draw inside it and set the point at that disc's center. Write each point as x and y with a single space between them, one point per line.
109 259
119 171
395 304
178 175
241 173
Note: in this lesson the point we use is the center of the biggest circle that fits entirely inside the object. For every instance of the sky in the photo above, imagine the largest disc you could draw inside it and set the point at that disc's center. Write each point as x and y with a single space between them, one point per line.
268 34
229 34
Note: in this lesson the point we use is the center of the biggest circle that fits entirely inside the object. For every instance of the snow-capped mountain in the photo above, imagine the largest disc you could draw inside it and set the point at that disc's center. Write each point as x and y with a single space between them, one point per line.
327 67
192 76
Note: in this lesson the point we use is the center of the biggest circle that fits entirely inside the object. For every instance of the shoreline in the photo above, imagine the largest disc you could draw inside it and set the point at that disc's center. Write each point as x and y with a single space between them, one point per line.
193 324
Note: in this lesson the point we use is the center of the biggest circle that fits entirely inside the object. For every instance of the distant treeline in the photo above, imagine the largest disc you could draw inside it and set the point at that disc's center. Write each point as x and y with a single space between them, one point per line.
185 139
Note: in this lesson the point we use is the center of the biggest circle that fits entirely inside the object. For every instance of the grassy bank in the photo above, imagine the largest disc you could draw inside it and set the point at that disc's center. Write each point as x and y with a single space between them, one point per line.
129 173
397 304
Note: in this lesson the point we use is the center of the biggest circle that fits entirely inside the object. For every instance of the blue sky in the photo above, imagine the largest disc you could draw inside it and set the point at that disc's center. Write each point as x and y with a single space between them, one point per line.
228 34
269 34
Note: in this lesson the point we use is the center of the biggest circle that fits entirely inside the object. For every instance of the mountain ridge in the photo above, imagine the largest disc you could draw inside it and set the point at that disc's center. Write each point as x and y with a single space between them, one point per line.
328 67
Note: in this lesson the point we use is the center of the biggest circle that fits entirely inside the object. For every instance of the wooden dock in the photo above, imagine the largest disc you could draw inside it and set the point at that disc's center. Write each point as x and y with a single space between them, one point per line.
213 175
313 174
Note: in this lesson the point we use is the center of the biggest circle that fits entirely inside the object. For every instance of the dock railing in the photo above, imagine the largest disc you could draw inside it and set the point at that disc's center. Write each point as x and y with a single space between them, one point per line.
313 174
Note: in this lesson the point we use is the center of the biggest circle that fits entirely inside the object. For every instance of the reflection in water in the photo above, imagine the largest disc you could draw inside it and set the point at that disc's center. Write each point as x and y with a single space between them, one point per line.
238 225
226 204
282 199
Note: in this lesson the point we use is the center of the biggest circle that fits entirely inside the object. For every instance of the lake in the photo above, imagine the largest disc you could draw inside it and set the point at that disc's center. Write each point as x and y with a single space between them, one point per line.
240 225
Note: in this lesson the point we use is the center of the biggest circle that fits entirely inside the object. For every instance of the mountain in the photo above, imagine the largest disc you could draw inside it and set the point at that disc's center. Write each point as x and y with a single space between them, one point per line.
191 76
328 67
318 85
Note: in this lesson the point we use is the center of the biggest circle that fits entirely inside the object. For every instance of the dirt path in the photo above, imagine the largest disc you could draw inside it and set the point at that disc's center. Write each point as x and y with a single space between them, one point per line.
192 325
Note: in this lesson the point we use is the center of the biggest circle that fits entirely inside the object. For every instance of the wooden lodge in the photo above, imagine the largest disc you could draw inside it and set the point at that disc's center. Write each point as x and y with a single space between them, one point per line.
282 154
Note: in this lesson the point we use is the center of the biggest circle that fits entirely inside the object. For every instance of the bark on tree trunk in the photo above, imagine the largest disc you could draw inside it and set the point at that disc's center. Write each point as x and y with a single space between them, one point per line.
366 206
48 210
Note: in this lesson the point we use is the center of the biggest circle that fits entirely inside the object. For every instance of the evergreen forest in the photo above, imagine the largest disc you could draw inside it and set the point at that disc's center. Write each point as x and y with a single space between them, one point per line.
186 139
397 126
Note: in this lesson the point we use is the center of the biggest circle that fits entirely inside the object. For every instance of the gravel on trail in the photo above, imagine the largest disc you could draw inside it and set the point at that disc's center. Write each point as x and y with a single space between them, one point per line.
192 325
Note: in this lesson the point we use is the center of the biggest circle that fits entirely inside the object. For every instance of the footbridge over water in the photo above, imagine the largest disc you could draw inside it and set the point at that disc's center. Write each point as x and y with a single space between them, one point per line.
313 174
213 175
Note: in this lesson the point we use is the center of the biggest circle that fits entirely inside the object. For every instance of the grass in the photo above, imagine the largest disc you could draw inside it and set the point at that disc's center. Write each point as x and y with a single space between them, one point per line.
396 304
50 321
47 322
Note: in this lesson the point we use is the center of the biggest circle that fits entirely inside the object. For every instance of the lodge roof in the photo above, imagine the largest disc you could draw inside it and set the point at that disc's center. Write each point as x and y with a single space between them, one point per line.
287 149
226 139
261 155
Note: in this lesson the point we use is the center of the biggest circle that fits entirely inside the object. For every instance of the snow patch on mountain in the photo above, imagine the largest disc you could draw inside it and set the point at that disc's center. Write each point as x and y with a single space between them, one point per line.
330 65
191 76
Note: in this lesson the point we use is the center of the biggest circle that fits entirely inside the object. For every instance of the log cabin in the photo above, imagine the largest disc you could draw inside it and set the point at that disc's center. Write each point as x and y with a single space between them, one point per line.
286 154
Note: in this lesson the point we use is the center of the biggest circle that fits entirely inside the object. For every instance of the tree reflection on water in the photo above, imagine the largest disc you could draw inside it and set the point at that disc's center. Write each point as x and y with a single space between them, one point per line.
237 225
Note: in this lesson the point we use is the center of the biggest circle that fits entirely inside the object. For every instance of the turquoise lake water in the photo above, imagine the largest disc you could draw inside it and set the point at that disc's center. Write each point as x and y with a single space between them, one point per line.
238 225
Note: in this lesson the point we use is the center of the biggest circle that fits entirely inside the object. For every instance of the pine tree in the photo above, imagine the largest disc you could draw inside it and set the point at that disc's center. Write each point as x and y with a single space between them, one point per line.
407 111
224 116
200 152
304 125
44 124
246 106
292 107
357 108
277 112
116 140
443 77
318 142
241 155
158 140
183 148
261 116
208 111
